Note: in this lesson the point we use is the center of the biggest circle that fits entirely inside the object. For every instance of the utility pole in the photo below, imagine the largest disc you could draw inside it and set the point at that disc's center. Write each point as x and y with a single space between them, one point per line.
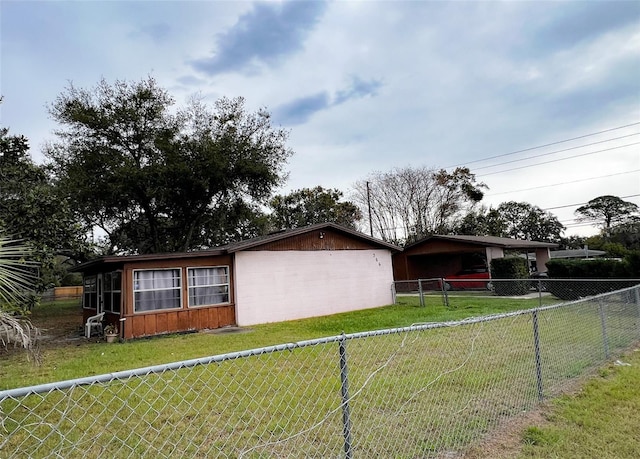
369 206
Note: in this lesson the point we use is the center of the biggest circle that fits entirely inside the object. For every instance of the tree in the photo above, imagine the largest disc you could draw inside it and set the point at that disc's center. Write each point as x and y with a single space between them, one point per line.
32 210
626 235
572 242
155 179
410 203
529 222
518 220
607 211
482 222
308 206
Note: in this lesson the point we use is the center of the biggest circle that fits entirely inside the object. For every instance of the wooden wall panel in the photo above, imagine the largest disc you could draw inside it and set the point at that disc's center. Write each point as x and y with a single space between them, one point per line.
136 326
150 324
228 316
172 321
162 323
214 317
183 320
203 318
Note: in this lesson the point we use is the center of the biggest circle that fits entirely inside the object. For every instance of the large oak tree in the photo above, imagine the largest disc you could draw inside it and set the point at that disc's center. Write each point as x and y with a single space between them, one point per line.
156 178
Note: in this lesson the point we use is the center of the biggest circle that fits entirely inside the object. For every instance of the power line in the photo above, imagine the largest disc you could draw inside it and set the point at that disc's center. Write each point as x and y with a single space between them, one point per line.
583 203
556 152
564 183
542 146
561 159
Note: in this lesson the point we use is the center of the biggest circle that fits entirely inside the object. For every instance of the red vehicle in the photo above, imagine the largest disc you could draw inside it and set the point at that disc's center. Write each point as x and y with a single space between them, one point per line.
473 279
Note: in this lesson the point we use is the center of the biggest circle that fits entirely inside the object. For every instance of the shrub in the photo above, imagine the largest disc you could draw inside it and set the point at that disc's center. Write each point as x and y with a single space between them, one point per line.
510 268
596 268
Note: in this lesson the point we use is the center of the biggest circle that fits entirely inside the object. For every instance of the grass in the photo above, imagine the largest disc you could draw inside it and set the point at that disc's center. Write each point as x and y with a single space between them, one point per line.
600 421
64 360
442 389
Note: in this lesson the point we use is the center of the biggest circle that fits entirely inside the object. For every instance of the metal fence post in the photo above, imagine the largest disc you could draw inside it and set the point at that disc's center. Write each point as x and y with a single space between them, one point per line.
536 344
603 323
445 294
344 389
421 293
637 295
539 293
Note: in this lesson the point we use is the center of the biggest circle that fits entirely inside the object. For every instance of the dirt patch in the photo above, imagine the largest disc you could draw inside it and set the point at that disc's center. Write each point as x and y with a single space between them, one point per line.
505 441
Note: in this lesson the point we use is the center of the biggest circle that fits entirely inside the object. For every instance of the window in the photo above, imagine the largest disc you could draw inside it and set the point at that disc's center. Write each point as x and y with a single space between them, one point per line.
155 289
112 291
208 286
90 293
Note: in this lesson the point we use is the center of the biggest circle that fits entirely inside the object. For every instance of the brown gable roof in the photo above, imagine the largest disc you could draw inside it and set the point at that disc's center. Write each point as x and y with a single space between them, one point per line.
236 246
284 234
487 241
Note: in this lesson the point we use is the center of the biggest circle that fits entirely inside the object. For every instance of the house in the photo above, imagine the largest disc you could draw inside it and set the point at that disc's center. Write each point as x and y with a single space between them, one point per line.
305 272
443 255
577 254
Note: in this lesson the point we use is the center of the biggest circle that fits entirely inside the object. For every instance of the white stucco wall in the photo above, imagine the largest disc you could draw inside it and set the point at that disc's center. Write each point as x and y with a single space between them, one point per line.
493 252
285 285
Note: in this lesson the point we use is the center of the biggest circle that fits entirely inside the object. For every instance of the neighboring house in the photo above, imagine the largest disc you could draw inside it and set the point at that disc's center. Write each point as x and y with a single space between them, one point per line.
305 272
440 256
577 254
569 254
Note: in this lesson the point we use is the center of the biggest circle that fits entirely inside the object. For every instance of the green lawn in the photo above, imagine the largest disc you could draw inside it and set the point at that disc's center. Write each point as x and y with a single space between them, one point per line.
601 421
442 388
69 360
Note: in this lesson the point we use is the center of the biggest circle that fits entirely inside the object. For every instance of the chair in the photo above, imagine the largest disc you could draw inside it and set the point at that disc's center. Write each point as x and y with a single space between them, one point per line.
93 322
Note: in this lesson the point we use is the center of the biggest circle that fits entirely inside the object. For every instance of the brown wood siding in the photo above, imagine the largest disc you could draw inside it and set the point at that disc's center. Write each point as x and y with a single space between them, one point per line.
172 321
325 239
157 323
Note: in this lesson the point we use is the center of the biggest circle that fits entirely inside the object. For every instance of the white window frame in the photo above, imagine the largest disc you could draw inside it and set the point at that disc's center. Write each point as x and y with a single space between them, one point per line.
225 284
179 288
109 290
85 292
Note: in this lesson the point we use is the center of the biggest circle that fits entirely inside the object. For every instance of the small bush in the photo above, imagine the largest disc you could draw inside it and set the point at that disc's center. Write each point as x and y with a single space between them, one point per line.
510 268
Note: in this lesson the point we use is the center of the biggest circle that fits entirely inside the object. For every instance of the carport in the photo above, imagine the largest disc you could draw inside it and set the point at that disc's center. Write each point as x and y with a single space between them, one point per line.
442 256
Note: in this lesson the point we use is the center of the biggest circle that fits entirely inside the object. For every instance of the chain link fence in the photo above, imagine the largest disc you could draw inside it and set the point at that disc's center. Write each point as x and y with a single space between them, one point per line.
545 289
429 390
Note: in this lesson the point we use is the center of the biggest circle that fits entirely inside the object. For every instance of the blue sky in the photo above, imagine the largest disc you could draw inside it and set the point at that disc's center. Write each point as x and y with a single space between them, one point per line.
367 86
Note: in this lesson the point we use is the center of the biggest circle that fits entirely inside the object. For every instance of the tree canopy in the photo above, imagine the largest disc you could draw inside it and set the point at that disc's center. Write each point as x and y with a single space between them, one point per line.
608 211
32 210
308 206
409 203
518 220
156 178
